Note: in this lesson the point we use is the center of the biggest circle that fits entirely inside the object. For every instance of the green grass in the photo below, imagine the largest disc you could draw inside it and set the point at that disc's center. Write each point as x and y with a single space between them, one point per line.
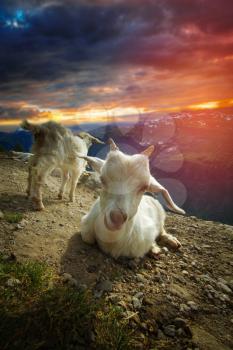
112 332
13 218
39 312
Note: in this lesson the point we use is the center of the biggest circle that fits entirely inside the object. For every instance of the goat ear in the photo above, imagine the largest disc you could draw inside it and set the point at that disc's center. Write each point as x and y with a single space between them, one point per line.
113 146
94 162
31 127
148 151
156 187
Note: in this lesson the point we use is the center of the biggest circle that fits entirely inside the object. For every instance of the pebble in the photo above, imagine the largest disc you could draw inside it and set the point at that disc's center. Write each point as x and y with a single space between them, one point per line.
1 215
180 322
137 304
192 305
224 297
230 284
67 278
139 295
170 330
184 308
224 287
185 273
104 286
133 264
12 282
91 268
140 278
148 301
160 335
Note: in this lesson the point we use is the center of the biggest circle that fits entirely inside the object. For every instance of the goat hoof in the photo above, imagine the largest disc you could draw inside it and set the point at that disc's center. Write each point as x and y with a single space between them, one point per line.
40 208
172 242
155 252
60 196
72 200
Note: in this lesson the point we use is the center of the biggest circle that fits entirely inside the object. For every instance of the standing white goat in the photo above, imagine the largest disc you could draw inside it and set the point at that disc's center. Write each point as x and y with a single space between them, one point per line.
55 147
123 220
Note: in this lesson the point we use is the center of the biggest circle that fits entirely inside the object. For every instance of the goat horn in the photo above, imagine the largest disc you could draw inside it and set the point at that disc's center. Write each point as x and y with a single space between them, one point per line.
113 146
148 151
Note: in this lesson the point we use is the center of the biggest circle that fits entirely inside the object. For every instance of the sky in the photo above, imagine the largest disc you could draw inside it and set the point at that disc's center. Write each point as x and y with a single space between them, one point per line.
75 61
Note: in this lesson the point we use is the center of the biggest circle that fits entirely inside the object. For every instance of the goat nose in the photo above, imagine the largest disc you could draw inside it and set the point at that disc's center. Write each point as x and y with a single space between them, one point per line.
117 217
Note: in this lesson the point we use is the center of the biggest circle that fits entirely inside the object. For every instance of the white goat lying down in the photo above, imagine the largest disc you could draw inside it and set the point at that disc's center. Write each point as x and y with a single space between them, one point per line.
123 220
55 147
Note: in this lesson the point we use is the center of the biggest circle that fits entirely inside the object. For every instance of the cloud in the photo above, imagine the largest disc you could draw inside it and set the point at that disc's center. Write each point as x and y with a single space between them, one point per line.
22 112
62 54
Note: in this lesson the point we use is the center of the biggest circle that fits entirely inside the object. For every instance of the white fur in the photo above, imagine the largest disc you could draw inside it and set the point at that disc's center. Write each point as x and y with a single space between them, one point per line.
123 176
55 147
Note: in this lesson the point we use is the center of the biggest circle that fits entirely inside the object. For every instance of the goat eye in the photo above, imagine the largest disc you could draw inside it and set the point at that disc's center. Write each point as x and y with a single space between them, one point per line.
143 188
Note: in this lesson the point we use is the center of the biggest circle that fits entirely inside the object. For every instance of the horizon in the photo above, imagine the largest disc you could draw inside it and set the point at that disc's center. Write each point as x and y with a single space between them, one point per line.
121 119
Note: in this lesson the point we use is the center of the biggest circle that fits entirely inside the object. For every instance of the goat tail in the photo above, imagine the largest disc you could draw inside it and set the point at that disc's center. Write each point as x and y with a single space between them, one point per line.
29 126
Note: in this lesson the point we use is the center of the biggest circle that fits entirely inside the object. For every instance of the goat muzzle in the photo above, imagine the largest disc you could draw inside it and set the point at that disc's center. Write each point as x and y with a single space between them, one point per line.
115 220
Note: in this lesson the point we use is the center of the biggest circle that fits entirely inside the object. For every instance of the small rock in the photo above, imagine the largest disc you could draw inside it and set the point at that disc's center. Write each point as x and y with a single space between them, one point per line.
19 227
148 265
165 250
148 301
12 282
224 287
144 325
23 222
192 305
224 297
82 287
220 279
170 330
185 273
184 308
140 278
1 215
180 322
139 295
67 278
160 335
133 264
104 286
91 268
230 284
137 304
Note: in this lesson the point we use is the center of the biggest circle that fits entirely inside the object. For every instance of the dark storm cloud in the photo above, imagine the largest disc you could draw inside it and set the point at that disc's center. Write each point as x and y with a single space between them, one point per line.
60 35
18 113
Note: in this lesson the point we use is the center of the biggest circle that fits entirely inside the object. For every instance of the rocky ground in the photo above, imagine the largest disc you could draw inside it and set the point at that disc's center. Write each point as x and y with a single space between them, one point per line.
181 301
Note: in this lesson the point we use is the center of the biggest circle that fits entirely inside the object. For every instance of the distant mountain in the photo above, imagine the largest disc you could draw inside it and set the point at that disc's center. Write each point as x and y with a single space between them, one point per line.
19 139
193 149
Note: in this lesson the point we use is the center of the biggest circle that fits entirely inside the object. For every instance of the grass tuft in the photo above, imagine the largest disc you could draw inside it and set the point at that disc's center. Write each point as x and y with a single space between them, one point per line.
13 217
39 313
112 331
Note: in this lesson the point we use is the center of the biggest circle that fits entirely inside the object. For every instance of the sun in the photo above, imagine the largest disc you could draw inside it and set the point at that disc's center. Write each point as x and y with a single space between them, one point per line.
206 105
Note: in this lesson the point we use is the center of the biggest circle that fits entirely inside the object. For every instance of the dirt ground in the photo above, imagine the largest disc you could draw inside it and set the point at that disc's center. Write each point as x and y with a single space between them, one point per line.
181 301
